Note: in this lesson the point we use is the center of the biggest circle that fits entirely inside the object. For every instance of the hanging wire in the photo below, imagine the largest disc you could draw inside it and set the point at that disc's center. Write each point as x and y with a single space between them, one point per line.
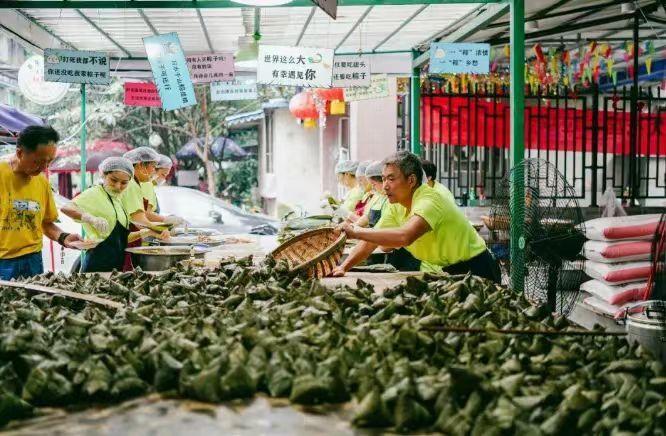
656 34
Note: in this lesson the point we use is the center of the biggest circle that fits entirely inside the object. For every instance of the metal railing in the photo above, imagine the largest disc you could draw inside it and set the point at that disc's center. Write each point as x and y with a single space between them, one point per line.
586 135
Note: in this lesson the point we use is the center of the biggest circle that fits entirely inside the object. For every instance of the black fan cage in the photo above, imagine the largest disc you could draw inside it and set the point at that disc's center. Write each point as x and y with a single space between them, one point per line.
658 274
553 233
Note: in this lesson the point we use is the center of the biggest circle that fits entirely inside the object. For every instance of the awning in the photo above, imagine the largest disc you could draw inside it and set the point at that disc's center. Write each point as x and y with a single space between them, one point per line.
12 120
223 149
244 120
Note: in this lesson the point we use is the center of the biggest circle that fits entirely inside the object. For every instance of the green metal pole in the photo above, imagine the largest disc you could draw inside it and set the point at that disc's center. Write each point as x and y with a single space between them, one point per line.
83 137
84 157
415 109
517 150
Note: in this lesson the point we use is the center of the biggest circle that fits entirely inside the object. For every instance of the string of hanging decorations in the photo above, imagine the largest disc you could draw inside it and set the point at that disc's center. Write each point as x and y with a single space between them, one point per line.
550 69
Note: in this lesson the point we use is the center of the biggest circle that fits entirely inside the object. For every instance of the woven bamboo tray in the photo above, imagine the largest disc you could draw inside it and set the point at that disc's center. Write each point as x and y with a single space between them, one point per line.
316 252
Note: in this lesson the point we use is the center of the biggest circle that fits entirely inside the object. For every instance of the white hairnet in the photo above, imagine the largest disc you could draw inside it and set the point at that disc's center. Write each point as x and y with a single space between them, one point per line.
111 164
360 170
374 169
142 154
346 166
164 161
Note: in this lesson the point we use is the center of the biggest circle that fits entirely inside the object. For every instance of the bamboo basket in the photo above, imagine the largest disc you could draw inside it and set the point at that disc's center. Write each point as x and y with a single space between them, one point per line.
316 252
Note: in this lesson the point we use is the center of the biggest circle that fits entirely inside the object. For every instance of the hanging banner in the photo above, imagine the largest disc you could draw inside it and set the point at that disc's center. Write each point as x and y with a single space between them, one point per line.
172 77
215 67
33 86
459 58
379 88
328 6
74 66
141 94
236 90
295 66
350 71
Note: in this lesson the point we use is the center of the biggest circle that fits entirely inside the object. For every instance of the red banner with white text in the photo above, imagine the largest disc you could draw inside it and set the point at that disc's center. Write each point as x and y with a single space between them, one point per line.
485 123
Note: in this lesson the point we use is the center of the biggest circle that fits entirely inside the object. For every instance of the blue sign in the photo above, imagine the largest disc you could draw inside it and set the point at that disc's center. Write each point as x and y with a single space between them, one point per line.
456 58
170 71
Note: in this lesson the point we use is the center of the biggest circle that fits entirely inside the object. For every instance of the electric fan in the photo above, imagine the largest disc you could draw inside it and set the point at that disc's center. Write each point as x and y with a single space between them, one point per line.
657 283
553 234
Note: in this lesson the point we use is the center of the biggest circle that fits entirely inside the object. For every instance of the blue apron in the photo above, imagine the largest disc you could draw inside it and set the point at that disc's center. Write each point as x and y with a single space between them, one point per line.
110 253
374 215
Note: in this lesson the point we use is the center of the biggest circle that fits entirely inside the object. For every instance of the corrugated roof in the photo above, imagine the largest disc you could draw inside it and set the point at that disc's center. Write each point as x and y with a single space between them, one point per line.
398 25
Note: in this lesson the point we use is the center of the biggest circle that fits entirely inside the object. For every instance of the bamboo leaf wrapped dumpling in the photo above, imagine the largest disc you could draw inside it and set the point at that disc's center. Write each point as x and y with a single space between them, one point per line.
372 411
45 386
12 407
237 383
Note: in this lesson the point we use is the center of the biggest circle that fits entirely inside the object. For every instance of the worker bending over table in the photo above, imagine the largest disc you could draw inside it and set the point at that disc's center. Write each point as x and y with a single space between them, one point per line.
346 172
430 171
27 207
101 213
162 170
425 222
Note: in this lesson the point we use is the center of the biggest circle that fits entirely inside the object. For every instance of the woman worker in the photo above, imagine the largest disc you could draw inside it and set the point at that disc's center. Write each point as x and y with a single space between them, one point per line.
346 172
366 188
422 220
378 201
162 170
100 211
133 199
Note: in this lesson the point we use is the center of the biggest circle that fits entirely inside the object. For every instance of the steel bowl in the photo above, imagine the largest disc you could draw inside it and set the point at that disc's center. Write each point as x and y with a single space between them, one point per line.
163 258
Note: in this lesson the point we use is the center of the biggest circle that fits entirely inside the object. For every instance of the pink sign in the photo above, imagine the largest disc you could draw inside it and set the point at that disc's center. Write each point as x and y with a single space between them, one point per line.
142 94
211 67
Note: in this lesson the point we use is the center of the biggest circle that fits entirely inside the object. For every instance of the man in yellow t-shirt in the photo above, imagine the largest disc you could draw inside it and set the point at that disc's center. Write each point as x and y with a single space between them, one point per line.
430 171
27 207
429 225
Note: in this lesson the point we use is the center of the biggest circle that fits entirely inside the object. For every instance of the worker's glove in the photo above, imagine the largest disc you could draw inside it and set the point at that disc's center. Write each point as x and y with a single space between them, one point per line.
341 213
173 219
99 224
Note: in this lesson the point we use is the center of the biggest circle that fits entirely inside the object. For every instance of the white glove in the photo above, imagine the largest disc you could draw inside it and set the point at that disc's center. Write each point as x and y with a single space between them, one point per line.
341 213
173 219
99 224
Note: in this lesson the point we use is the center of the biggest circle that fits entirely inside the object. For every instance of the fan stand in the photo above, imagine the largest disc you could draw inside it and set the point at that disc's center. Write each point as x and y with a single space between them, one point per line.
551 288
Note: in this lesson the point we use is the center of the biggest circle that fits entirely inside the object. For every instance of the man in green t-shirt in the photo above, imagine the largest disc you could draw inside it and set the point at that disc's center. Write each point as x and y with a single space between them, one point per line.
425 222
430 171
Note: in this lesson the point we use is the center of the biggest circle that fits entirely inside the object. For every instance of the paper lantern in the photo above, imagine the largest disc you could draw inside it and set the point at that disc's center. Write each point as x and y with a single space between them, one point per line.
330 94
309 123
337 107
302 106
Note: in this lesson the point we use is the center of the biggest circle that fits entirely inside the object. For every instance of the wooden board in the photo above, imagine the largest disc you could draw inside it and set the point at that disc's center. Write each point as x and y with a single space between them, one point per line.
62 292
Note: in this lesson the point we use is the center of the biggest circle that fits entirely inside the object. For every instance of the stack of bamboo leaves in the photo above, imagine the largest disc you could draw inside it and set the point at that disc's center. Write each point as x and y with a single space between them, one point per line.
242 330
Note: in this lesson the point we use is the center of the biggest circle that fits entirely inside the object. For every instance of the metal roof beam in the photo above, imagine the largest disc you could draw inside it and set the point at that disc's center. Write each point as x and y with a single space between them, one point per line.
550 12
100 30
29 31
492 13
204 29
305 26
201 4
147 21
573 26
354 27
453 27
400 27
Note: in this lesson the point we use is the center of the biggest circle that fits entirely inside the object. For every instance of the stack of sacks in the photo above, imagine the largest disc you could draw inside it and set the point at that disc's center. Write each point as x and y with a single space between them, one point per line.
618 260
